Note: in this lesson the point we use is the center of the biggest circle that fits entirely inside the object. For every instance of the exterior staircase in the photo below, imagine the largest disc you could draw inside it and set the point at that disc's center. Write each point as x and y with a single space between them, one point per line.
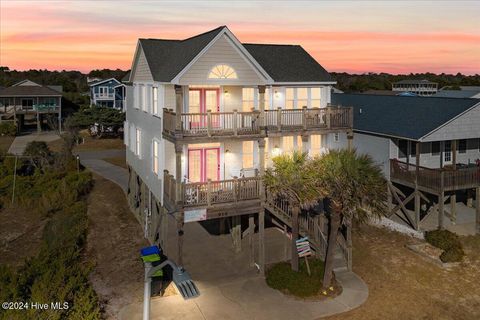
315 228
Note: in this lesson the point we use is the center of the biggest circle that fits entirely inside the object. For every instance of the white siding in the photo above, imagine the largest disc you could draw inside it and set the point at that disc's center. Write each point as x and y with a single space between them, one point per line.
142 70
464 127
221 52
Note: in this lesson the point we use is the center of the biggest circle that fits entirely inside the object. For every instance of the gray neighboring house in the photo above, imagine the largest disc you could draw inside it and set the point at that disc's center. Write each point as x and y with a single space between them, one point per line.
29 101
430 145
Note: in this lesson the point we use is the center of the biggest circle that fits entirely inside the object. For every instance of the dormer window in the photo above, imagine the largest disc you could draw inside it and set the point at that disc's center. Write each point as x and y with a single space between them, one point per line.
222 71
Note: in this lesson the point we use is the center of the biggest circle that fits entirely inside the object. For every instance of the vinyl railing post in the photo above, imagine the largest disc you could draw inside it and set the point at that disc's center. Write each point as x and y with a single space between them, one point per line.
304 117
209 123
235 124
279 119
209 192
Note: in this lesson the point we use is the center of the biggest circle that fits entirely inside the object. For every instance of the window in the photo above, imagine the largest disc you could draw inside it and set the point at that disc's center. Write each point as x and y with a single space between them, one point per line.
222 71
297 98
248 99
314 97
402 148
131 142
138 137
155 100
290 98
125 133
299 143
302 98
315 145
336 137
435 148
462 146
247 154
144 98
155 157
447 151
103 91
288 145
267 98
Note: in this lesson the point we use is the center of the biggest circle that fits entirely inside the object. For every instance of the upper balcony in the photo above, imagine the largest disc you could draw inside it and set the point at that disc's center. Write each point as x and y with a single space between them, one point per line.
247 125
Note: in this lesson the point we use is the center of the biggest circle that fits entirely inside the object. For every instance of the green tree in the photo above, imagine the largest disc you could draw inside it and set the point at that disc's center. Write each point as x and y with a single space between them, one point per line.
355 189
292 178
103 118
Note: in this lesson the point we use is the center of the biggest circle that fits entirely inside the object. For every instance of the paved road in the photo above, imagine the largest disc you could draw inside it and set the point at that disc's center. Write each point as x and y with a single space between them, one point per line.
20 142
93 161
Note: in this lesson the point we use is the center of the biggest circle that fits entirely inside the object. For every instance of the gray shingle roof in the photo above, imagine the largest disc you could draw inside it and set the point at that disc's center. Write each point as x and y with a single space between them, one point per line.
284 63
166 58
28 91
407 117
288 63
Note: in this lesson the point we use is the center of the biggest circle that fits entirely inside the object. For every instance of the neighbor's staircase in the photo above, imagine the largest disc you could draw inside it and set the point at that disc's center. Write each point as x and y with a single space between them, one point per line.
315 228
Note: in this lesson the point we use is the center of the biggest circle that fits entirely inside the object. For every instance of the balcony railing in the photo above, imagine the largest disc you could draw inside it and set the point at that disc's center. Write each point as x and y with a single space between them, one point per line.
211 192
249 123
104 95
432 179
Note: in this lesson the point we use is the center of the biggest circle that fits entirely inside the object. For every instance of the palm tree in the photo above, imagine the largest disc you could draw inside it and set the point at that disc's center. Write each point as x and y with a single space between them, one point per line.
291 178
355 188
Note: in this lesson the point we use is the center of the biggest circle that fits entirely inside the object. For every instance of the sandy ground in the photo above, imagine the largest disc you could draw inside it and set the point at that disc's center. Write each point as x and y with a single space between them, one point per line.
113 243
404 286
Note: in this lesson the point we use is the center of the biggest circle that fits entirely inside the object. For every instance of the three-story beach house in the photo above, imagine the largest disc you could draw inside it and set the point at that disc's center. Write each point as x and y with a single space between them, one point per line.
206 117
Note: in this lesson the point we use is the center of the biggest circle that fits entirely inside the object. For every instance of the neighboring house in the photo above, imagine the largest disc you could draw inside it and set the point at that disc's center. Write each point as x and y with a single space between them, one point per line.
431 145
28 101
419 87
208 114
107 93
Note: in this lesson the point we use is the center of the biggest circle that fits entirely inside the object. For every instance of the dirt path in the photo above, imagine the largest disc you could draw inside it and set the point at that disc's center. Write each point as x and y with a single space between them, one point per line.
403 286
113 243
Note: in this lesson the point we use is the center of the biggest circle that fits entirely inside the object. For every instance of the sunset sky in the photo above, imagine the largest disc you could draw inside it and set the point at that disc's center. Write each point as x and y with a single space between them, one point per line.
353 36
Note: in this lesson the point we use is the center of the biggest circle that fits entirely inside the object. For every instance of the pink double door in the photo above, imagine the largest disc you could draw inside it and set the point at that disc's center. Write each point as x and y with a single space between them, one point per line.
199 102
203 164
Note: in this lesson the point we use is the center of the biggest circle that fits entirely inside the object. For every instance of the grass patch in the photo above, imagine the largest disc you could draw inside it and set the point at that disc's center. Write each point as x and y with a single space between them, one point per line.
281 277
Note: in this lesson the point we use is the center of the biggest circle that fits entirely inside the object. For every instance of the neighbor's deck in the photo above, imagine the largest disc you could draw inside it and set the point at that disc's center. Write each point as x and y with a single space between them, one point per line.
434 180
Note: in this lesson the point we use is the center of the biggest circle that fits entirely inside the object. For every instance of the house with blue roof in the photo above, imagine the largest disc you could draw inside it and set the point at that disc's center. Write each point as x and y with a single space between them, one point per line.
426 146
108 93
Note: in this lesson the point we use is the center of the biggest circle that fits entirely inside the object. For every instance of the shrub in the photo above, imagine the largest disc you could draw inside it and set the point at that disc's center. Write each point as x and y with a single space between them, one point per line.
448 242
300 284
8 128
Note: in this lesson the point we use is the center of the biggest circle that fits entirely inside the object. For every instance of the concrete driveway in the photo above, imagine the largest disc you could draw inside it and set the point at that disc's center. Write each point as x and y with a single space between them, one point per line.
20 142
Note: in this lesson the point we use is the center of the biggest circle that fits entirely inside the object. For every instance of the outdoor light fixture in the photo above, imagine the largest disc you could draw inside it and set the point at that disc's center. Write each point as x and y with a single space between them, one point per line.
277 94
226 93
181 278
276 151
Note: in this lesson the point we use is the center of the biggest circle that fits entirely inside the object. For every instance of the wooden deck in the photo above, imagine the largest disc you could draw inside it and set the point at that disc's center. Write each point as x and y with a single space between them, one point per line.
221 198
246 125
434 180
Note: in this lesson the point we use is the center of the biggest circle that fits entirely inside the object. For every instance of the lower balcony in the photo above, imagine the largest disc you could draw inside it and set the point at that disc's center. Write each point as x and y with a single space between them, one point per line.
219 198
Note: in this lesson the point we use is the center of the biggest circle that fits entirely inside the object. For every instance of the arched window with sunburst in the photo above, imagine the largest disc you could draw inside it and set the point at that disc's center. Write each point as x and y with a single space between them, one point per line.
222 71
